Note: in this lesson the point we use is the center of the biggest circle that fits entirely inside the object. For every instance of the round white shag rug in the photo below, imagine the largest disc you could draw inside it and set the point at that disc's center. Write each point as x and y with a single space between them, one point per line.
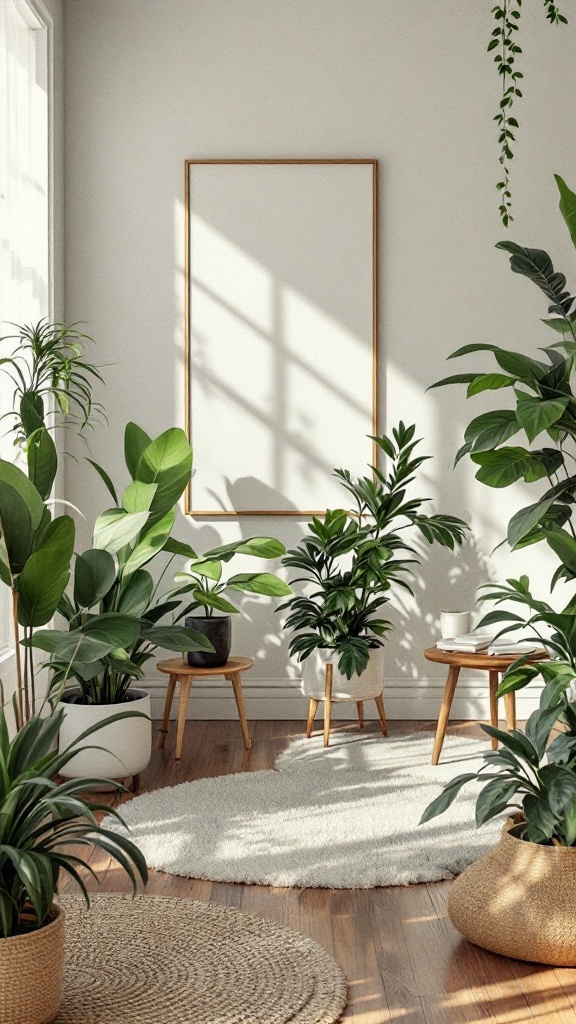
157 960
342 818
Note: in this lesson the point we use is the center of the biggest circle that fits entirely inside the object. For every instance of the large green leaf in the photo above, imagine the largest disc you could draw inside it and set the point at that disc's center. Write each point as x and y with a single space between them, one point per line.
32 412
491 429
259 547
178 547
505 466
567 206
42 462
177 638
136 441
138 496
456 378
489 382
16 479
115 528
211 600
494 798
151 542
73 645
15 528
45 575
136 593
94 574
534 415
115 628
520 366
447 797
526 519
259 583
563 545
536 265
167 462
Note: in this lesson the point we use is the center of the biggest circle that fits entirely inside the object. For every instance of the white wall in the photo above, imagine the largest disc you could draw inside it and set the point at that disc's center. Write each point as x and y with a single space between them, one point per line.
149 84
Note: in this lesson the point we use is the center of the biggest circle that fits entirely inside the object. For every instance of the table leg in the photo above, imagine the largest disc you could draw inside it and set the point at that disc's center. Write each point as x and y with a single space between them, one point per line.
453 673
234 678
312 709
360 706
185 685
382 714
510 706
167 709
494 681
328 703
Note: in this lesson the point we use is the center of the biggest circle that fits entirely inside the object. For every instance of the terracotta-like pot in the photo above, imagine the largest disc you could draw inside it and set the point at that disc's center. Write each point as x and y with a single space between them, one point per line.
519 900
126 746
364 687
32 974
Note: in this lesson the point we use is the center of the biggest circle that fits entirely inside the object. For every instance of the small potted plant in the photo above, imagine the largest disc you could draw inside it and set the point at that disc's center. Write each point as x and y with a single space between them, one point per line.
43 828
519 899
351 562
202 583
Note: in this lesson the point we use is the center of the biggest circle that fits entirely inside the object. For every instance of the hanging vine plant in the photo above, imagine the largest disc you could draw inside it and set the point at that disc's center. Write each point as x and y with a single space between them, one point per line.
507 17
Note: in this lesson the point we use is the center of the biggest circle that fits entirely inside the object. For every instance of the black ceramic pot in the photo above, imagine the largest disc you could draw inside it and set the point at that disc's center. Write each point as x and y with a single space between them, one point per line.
218 630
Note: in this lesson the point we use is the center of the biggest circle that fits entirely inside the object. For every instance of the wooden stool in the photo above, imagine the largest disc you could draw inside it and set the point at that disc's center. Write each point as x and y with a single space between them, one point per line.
313 706
495 665
180 672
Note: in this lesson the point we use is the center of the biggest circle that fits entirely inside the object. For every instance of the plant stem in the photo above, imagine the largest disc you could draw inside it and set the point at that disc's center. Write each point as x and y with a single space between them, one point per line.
20 683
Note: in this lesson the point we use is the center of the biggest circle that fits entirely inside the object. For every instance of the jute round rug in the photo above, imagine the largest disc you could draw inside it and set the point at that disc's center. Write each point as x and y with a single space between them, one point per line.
345 818
155 960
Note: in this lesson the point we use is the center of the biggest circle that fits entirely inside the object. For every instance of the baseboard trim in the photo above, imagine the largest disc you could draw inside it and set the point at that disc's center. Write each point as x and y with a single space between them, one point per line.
270 699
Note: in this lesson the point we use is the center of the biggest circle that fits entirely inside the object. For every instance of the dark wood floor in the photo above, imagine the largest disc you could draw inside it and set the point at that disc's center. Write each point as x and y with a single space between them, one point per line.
403 960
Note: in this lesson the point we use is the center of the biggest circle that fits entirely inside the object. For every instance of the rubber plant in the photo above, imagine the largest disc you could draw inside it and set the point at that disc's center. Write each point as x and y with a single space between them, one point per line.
352 561
45 826
114 610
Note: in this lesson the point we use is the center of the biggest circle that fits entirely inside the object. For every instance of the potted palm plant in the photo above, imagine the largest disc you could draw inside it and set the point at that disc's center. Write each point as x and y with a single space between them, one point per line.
43 829
351 562
519 899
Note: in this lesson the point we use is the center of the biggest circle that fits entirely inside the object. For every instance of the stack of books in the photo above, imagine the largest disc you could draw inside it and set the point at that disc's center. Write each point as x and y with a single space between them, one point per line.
467 643
518 648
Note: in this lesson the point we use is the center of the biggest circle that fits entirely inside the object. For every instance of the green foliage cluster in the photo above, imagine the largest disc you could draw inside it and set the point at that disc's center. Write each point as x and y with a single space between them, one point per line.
44 827
355 559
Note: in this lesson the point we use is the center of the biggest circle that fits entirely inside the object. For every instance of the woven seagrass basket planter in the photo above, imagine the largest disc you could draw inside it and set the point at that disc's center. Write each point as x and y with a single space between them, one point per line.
519 900
32 974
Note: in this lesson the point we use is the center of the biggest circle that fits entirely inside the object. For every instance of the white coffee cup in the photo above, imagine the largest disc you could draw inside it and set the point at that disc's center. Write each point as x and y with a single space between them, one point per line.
454 624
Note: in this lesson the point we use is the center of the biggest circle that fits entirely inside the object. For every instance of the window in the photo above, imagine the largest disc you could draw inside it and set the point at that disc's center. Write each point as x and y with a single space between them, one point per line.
25 207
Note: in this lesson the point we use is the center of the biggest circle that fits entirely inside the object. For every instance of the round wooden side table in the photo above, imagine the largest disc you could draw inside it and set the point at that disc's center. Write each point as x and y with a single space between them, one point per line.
495 665
180 672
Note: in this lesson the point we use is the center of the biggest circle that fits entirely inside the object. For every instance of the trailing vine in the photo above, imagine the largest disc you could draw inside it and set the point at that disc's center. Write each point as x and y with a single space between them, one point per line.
507 16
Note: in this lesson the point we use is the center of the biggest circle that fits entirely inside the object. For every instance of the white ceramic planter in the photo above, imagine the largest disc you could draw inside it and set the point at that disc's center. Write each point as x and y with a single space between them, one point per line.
127 744
365 687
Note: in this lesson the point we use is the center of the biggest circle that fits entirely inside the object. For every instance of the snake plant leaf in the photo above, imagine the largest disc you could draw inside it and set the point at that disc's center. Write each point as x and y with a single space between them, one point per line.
42 462
259 583
94 574
567 206
115 528
491 429
138 496
46 573
136 441
150 542
136 593
167 462
534 415
177 638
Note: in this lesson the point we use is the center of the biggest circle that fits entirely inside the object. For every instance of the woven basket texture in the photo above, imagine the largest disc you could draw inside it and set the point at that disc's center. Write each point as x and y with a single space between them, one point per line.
32 974
159 960
520 900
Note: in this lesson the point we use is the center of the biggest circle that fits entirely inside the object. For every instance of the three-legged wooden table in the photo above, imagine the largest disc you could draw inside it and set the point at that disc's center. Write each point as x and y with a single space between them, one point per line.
495 665
180 672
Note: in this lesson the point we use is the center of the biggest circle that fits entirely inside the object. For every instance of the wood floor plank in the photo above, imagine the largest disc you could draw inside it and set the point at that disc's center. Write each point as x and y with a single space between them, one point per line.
404 962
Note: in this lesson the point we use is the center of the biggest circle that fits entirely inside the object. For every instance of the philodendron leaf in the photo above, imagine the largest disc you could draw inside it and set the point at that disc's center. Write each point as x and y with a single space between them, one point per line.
136 441
94 574
534 415
138 496
70 645
489 382
491 429
115 628
567 206
178 547
259 547
151 541
136 593
167 462
211 600
504 466
210 568
45 575
259 583
42 462
177 638
563 545
526 519
115 528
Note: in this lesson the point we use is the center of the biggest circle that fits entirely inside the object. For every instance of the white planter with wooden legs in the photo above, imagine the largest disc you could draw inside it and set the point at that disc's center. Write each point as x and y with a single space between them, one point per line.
322 680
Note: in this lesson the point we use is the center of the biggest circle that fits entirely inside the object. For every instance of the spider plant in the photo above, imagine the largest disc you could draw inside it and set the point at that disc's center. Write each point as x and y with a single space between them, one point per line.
41 821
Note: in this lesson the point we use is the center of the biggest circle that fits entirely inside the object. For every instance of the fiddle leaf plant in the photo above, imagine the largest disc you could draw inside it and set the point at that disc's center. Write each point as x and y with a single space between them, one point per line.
544 411
352 561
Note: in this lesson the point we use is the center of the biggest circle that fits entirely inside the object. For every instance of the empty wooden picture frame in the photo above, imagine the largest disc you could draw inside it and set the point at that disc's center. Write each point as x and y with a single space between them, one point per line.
280 331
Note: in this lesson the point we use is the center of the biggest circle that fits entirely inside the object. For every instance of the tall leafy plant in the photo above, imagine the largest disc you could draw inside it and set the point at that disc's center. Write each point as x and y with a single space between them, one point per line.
352 561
